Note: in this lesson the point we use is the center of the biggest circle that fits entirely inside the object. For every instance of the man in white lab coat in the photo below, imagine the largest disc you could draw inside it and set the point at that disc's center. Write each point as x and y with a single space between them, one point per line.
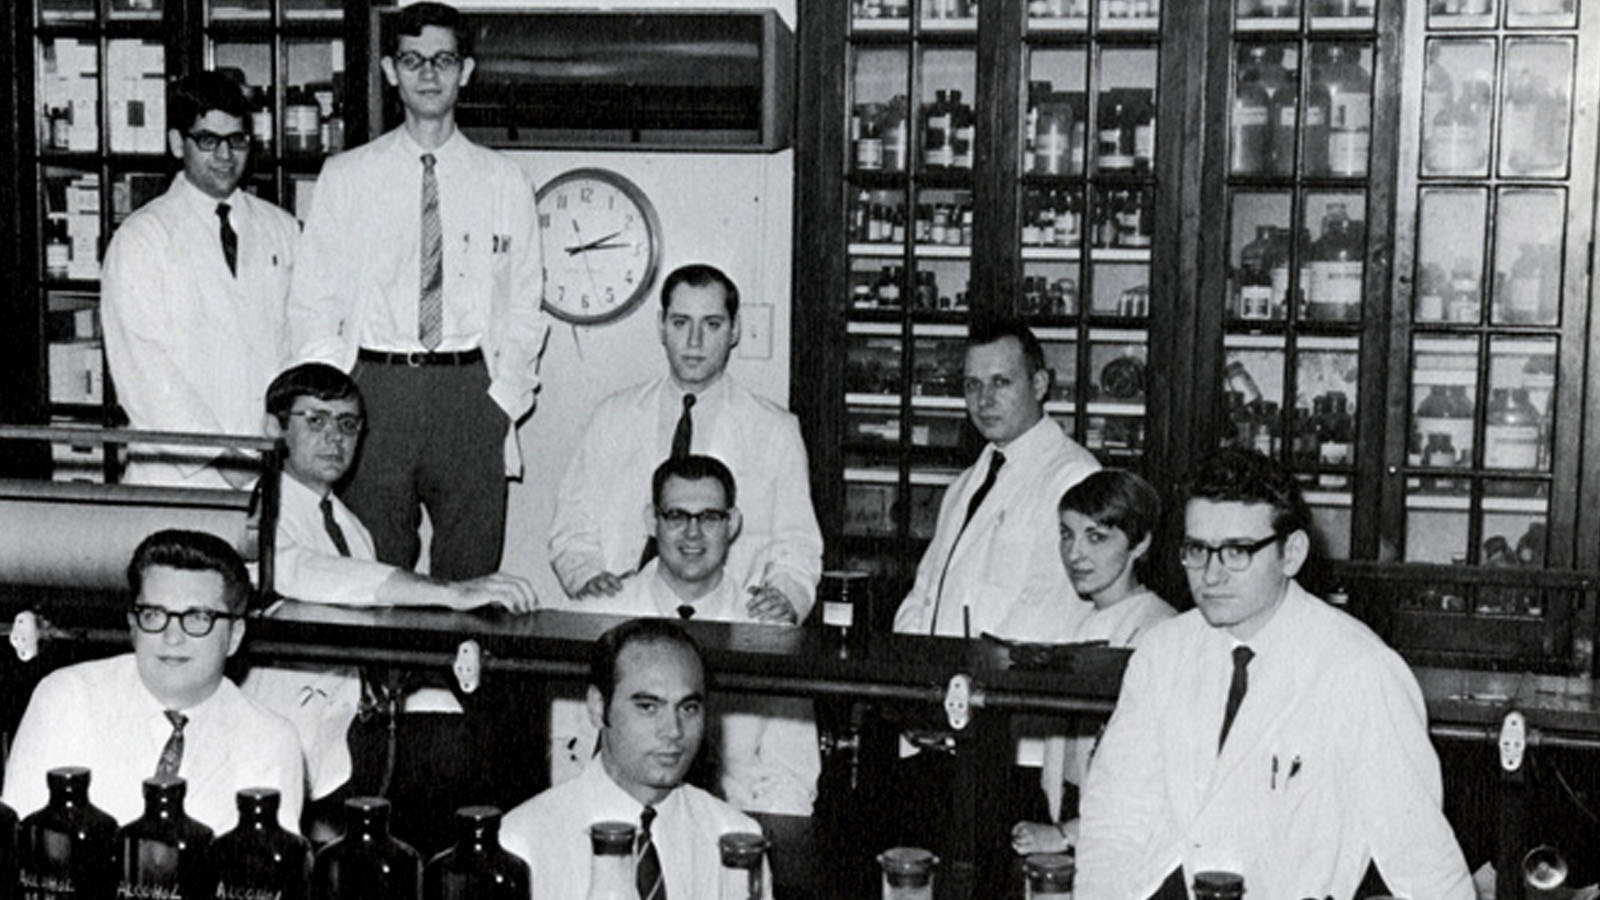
195 289
993 565
597 537
1264 733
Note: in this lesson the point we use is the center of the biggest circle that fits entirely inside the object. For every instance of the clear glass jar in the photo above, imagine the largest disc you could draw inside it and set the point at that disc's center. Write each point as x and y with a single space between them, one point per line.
1049 876
611 872
742 876
907 873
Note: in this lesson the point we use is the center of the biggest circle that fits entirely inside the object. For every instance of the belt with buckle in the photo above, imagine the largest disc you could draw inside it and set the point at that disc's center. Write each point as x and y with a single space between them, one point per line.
421 357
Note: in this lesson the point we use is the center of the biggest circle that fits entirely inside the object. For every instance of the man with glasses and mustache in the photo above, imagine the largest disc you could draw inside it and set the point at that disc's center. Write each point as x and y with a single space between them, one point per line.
420 274
1264 733
194 293
165 707
324 554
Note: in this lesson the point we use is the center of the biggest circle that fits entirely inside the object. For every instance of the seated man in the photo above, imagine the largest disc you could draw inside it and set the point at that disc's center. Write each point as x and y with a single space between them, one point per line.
165 708
325 555
1265 732
646 695
770 760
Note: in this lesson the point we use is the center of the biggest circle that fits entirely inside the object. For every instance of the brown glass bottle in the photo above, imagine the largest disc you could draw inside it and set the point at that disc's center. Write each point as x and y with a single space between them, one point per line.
1218 886
367 863
64 850
164 853
476 868
258 858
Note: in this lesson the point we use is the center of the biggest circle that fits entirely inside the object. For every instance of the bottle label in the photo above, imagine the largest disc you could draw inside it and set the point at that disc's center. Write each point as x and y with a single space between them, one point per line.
869 153
1255 301
1337 284
36 886
1347 152
245 892
1451 151
1144 141
1511 447
1351 111
838 614
148 891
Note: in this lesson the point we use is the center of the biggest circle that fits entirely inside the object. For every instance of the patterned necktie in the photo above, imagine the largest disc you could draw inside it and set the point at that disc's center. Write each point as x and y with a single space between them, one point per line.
684 433
648 871
1236 688
172 750
335 533
230 240
430 308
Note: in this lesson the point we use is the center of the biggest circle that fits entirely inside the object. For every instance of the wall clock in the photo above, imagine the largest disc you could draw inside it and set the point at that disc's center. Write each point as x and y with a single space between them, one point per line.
602 244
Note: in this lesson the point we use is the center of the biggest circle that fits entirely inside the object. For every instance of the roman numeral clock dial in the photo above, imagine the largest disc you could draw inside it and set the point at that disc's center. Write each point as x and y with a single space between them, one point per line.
602 244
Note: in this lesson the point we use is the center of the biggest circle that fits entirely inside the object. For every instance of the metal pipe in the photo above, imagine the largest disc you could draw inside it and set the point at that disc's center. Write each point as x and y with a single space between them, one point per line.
1537 737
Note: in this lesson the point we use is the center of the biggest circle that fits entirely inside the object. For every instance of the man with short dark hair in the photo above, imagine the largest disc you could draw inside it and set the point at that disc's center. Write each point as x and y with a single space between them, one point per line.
647 697
597 538
166 707
194 295
992 565
1265 732
420 268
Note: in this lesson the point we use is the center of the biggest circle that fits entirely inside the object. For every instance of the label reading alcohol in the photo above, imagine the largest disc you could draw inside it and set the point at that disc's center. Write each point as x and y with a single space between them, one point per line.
840 615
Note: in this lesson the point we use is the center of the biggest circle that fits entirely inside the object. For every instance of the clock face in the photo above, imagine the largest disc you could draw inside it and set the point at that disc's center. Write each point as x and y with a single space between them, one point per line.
601 245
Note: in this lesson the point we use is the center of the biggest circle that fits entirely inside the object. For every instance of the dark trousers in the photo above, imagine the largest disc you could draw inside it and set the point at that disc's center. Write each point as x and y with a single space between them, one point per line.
434 439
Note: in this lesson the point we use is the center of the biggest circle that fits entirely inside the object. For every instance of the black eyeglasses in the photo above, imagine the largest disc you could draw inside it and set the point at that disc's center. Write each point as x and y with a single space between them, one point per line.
349 425
443 61
1236 556
195 622
209 141
706 518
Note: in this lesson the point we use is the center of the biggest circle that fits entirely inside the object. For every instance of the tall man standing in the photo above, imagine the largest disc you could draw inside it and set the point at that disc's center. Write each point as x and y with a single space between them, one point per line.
420 267
597 537
194 291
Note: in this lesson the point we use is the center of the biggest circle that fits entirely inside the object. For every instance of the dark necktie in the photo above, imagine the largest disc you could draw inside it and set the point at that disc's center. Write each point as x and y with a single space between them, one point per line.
996 460
648 871
335 533
430 307
230 240
172 750
685 611
1236 688
683 435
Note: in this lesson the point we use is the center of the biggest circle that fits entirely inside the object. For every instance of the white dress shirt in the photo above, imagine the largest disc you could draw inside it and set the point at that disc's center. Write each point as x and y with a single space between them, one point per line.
358 278
599 526
770 758
100 715
190 346
1327 766
1005 572
551 832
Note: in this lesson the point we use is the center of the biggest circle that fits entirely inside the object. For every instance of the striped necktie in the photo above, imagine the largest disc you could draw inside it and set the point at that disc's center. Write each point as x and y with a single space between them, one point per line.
172 750
430 307
651 885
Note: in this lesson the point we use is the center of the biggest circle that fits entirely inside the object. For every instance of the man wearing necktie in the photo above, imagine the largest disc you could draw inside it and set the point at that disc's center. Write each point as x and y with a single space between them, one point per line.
596 536
324 554
194 293
1265 732
420 274
167 708
646 697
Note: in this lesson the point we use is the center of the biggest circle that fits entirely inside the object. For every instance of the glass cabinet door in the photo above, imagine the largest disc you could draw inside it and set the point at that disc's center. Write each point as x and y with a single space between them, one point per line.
1495 214
1297 312
1088 195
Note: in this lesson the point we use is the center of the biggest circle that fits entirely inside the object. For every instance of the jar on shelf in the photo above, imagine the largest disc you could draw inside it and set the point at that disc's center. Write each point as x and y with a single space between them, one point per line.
1349 87
1511 431
1254 277
1250 128
1336 268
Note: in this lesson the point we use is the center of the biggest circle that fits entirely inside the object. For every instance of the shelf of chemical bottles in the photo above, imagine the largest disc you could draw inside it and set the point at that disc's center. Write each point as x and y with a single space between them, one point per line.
1270 24
1303 342
890 250
1460 502
901 25
920 477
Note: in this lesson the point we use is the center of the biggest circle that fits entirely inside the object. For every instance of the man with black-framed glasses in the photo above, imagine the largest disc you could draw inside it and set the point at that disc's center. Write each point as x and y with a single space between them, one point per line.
1264 733
194 293
166 707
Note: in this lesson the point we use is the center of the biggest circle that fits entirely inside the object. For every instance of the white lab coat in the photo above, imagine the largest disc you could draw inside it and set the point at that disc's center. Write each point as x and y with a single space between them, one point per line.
1327 766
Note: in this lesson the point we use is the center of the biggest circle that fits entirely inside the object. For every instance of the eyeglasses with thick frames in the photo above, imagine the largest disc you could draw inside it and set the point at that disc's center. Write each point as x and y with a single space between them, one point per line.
195 622
677 519
209 141
443 61
1235 556
349 425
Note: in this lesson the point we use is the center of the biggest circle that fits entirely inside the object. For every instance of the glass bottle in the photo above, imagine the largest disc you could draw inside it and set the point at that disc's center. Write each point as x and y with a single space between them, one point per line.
1053 138
1113 147
476 868
1349 113
1510 431
1218 886
1255 281
1336 268
936 133
366 863
1464 302
1338 439
258 858
611 872
1533 290
65 849
1531 546
894 134
907 873
1049 876
964 134
164 852
742 876
1142 122
1432 285
1250 124
1314 124
261 118
1283 114
302 121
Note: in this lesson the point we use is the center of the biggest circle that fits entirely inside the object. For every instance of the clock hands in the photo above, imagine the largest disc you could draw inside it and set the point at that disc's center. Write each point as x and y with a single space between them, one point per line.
588 268
603 243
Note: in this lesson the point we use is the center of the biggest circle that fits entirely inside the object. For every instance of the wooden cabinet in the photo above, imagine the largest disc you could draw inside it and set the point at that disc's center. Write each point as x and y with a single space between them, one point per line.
1361 243
89 146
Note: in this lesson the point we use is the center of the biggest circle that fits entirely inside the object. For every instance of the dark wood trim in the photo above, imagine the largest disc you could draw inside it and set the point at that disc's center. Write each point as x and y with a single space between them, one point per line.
996 195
